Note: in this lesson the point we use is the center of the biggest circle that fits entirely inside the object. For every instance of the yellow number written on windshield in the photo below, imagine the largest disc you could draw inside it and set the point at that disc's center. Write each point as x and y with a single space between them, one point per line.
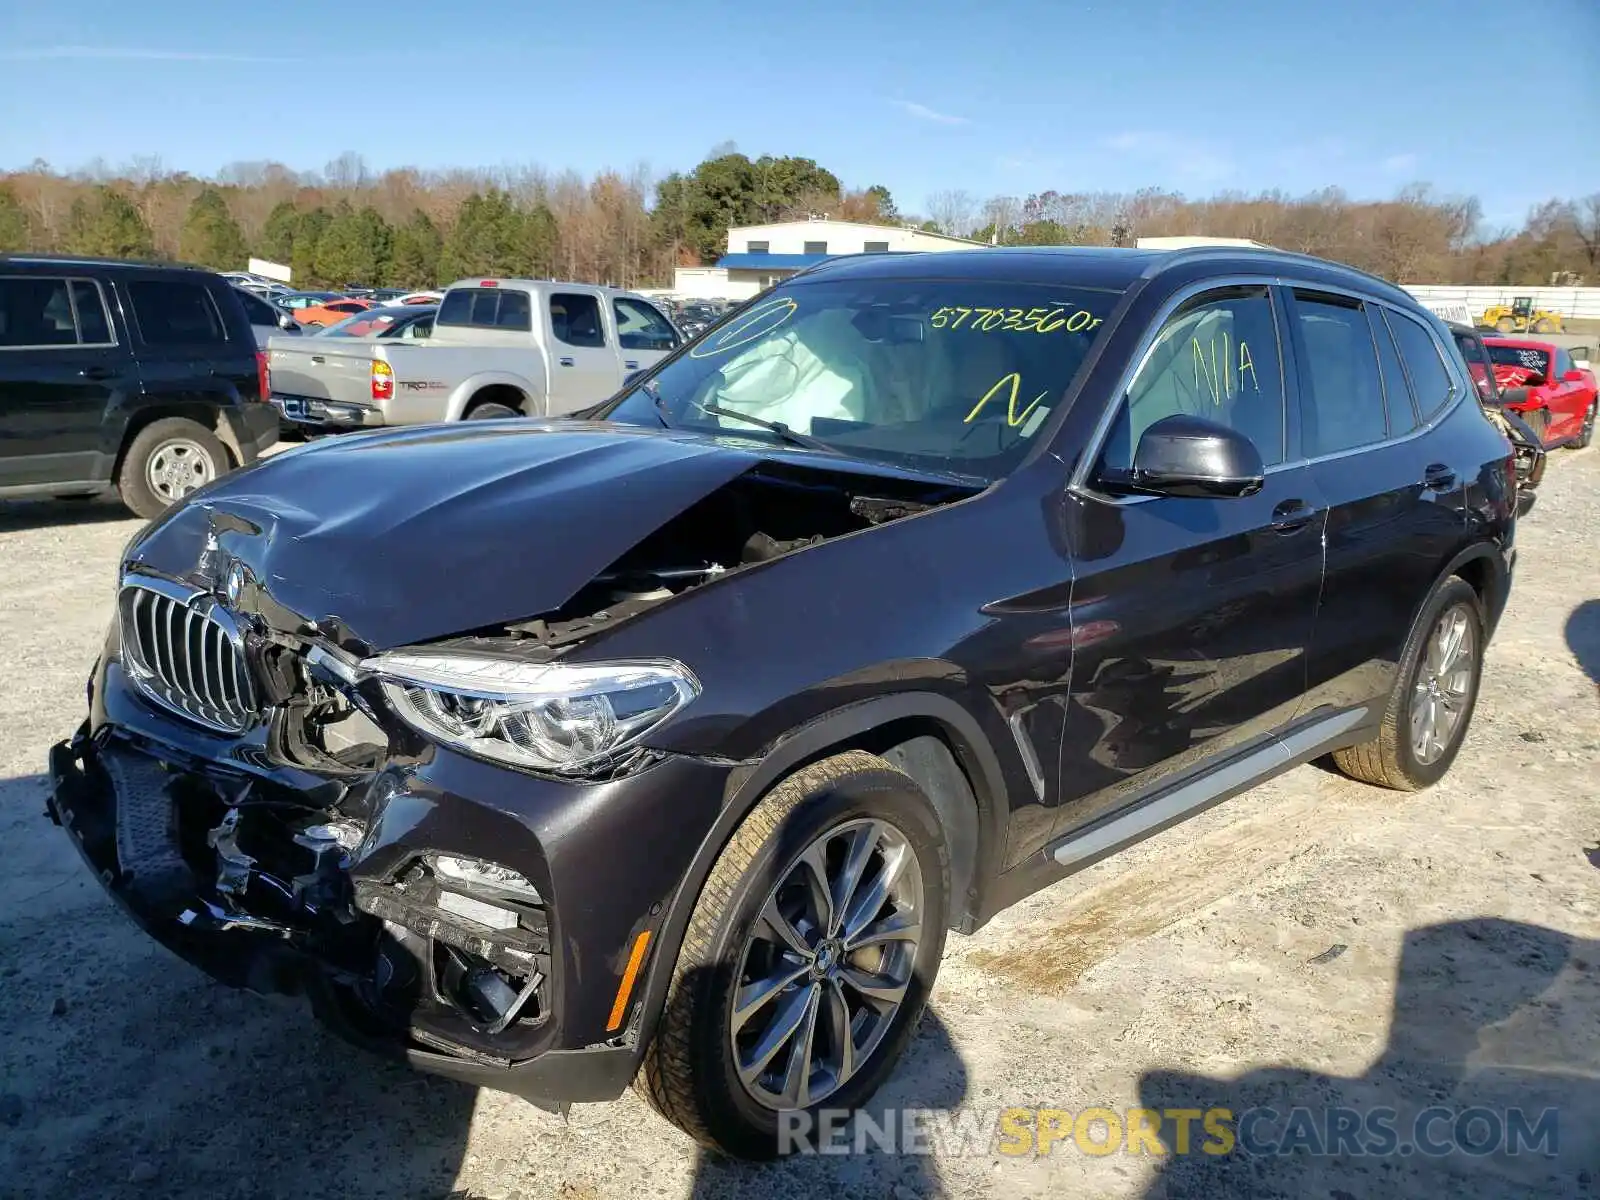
1016 320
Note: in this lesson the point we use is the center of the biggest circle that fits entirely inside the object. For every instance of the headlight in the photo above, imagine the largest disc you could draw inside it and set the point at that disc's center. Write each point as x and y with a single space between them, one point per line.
554 717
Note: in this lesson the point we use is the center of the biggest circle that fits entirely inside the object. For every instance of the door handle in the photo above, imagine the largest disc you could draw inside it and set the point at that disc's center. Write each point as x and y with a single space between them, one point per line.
96 372
1292 516
630 363
318 359
1438 478
565 360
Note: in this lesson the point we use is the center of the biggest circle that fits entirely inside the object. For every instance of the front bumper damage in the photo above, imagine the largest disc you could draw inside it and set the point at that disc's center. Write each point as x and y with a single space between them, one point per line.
276 879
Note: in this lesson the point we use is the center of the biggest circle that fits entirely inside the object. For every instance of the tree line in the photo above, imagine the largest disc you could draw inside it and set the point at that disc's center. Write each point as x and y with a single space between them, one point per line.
406 227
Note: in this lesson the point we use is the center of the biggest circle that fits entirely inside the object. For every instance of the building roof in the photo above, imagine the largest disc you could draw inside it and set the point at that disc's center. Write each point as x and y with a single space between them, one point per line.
943 237
771 262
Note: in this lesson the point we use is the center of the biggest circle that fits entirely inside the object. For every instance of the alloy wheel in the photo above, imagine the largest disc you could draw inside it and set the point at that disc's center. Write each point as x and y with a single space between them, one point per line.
826 967
177 467
1443 685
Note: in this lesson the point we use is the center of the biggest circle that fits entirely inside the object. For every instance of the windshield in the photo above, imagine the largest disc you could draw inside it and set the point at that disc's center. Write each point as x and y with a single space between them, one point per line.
934 375
1526 357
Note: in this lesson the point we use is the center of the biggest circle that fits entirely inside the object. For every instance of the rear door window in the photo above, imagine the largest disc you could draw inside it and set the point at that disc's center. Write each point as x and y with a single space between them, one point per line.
1396 389
172 312
1430 382
94 323
1341 393
39 312
575 319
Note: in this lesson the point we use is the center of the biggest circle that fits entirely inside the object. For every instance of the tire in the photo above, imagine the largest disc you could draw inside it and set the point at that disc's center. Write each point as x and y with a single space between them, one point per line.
148 484
490 411
1505 325
1585 436
1543 325
690 1072
1392 759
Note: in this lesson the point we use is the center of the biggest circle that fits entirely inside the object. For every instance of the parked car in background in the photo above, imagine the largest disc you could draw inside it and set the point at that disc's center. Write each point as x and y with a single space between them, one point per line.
412 321
140 379
423 297
666 746
498 348
1540 382
1525 442
295 301
266 320
330 312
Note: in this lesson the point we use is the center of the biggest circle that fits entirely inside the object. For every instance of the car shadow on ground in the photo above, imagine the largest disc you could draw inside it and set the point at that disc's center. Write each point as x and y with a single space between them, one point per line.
1492 1031
1583 637
36 514
126 1072
930 1075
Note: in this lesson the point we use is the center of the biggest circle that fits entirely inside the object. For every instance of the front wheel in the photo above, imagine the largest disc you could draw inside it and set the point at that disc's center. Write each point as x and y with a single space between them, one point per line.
166 461
1505 325
1435 691
807 961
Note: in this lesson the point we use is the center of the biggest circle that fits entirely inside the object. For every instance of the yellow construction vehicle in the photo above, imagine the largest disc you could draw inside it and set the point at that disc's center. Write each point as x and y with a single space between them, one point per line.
1520 317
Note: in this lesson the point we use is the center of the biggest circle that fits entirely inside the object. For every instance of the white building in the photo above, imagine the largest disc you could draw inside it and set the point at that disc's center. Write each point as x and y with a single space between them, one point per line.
760 255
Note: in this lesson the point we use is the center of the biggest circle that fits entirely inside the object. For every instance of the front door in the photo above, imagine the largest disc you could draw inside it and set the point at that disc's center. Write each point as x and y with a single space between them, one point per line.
62 370
643 334
1191 618
584 365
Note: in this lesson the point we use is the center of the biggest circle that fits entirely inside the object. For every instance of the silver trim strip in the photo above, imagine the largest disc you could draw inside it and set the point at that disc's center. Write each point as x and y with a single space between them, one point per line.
1192 797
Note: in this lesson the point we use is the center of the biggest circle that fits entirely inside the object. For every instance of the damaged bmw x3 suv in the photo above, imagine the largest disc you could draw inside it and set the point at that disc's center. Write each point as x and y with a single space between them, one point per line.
664 745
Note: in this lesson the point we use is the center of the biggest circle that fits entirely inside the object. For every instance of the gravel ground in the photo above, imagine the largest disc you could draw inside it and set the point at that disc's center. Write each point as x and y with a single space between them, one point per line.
1314 942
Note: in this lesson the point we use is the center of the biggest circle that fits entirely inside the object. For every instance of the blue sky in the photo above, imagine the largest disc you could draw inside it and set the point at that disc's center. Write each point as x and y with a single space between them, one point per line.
1489 97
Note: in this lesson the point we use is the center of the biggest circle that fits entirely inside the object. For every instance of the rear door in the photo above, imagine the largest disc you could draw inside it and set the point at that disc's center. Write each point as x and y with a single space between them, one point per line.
187 354
1395 497
585 367
1191 617
63 371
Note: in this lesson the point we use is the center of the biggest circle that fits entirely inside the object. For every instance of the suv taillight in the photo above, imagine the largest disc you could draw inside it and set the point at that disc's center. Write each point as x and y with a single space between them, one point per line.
263 376
382 381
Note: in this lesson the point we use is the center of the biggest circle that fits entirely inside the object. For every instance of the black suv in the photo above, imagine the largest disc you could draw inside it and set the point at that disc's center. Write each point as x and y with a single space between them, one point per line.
670 742
134 377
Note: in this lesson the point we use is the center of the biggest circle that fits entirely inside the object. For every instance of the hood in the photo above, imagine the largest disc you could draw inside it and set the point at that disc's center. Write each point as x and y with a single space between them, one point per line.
414 534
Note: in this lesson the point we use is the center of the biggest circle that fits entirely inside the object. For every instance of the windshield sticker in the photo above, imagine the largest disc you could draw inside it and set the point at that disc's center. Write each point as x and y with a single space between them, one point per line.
1532 359
754 325
1222 377
1017 320
1011 385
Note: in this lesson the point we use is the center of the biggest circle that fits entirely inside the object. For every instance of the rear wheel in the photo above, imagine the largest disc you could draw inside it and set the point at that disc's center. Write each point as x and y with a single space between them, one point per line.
490 411
1435 690
808 958
166 461
1586 431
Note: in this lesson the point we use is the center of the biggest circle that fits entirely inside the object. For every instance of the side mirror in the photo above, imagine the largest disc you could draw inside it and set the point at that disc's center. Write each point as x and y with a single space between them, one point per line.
1573 376
1190 456
287 323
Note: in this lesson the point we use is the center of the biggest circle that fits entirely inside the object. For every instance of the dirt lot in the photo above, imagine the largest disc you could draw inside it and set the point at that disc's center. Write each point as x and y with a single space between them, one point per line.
1315 942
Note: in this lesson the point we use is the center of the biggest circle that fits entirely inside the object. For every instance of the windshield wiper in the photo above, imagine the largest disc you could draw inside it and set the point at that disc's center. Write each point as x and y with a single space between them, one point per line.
792 436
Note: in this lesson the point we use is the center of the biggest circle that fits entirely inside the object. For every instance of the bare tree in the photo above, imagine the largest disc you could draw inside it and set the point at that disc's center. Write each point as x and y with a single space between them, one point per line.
953 211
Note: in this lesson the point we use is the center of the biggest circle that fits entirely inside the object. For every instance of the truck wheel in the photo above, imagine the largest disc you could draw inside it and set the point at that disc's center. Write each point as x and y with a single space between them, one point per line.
1434 692
1505 325
490 411
166 461
1543 325
807 961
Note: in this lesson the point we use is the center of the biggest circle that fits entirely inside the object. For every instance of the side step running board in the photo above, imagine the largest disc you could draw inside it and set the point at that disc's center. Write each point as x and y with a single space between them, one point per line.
1168 807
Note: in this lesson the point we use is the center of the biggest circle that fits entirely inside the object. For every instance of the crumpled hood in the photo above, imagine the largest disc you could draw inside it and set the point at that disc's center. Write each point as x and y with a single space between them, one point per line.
413 534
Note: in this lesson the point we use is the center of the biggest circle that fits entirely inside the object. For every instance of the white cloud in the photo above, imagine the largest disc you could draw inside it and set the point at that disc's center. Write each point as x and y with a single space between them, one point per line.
1178 158
1395 164
923 113
131 53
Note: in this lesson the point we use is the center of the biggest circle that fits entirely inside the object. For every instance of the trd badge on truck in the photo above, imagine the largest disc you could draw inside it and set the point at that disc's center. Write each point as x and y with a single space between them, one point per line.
665 746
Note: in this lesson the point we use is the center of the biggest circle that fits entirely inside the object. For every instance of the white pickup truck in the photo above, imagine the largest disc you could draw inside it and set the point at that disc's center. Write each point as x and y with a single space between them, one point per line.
499 348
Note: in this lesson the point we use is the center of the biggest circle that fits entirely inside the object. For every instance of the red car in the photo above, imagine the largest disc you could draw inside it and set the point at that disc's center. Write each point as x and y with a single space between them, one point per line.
1540 382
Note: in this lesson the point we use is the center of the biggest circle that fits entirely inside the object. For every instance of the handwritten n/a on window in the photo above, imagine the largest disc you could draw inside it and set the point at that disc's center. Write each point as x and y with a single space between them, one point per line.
1223 368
